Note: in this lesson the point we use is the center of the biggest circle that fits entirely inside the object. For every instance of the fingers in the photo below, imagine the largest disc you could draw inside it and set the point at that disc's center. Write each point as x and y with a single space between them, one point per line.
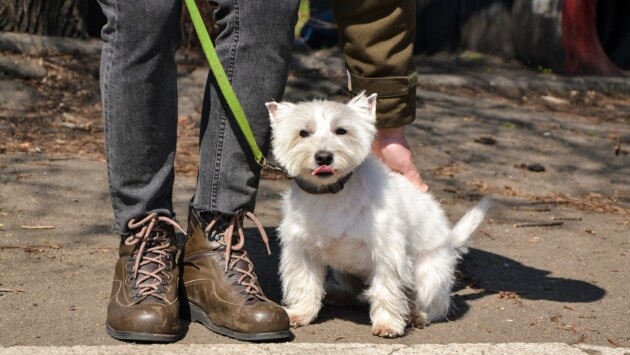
392 148
417 181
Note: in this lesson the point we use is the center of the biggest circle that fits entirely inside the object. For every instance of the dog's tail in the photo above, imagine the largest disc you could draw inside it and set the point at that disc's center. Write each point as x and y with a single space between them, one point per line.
469 223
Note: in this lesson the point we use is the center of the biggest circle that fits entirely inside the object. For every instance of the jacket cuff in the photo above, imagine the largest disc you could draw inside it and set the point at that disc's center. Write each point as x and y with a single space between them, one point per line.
396 97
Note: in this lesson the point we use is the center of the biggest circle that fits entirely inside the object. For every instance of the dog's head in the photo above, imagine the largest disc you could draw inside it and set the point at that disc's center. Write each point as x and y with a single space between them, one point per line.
322 141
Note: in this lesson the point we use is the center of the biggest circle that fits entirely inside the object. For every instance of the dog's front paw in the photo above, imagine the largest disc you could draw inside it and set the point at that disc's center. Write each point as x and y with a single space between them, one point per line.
385 331
298 318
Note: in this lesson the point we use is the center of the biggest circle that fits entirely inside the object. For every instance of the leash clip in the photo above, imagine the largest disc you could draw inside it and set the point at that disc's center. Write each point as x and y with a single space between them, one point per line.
266 164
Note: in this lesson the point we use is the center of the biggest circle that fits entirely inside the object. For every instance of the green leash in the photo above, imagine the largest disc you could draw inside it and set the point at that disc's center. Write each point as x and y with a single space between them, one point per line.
224 83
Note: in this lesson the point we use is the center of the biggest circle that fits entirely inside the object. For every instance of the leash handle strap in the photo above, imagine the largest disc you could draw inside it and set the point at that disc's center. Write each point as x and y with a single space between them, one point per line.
222 80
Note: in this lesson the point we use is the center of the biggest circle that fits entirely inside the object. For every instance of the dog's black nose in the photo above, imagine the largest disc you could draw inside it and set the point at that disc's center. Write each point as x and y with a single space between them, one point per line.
323 157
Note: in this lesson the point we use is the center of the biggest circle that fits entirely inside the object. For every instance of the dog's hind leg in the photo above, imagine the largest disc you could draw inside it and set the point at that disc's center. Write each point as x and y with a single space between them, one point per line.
302 277
433 279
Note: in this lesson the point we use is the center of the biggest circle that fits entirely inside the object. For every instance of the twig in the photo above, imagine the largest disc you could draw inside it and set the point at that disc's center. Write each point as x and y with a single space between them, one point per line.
13 290
31 246
542 224
38 227
549 202
487 235
531 209
60 158
614 342
490 290
566 218
9 247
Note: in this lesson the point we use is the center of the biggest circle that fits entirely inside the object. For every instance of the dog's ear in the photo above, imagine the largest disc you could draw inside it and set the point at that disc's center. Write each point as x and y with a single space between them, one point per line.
272 107
371 100
366 103
277 110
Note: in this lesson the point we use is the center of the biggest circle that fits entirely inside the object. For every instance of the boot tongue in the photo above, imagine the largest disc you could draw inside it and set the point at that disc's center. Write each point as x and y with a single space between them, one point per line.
234 273
240 266
323 169
152 266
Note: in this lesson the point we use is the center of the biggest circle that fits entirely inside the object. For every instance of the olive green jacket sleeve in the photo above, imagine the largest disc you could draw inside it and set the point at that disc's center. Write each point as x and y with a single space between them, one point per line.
376 38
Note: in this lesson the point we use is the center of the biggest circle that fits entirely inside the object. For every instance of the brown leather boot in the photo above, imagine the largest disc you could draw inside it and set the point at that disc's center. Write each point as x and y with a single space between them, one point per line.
144 304
221 286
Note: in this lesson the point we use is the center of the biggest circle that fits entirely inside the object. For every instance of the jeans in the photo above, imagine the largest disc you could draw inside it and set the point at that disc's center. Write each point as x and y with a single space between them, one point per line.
139 93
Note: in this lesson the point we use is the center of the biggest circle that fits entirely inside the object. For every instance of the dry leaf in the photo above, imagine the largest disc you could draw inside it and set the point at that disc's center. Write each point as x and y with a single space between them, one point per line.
24 146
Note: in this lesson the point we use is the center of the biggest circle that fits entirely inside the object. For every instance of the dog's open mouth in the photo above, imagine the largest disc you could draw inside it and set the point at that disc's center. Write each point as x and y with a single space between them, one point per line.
323 171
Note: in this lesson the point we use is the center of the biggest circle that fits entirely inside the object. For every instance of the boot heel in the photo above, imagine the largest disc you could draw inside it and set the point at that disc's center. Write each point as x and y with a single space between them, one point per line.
196 314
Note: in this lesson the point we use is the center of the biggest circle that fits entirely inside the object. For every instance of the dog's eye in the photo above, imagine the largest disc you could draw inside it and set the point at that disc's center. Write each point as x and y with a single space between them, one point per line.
304 133
340 131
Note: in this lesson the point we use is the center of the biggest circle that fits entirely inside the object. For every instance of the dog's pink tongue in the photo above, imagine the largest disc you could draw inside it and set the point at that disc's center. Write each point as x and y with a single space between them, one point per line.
324 169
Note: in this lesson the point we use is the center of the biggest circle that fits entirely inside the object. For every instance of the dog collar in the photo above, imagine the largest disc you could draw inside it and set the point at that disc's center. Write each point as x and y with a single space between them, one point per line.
318 189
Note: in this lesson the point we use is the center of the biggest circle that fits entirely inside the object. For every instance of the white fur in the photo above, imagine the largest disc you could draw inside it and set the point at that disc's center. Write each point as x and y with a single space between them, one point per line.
379 228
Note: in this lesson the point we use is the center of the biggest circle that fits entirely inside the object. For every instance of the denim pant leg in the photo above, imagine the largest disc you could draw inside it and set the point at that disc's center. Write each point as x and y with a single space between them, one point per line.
255 50
139 92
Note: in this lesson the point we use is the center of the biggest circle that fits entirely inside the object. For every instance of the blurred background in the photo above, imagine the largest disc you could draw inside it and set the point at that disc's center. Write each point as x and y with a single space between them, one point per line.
566 36
50 53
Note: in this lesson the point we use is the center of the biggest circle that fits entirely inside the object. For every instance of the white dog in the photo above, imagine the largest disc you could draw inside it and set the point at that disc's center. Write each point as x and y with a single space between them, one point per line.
347 211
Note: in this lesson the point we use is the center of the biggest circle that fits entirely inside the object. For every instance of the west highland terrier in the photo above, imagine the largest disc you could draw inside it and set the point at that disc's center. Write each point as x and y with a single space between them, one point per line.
384 240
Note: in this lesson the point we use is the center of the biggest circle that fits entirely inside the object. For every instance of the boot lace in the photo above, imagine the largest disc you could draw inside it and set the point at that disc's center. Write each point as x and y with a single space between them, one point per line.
234 253
150 271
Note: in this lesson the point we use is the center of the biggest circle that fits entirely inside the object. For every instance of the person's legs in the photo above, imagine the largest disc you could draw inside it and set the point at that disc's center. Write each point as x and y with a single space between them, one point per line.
139 90
222 288
255 48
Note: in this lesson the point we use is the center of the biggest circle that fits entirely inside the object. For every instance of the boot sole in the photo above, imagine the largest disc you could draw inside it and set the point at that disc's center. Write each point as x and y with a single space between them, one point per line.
148 337
198 315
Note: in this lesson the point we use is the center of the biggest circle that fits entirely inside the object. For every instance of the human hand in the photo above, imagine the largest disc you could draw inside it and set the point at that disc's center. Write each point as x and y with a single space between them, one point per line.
391 147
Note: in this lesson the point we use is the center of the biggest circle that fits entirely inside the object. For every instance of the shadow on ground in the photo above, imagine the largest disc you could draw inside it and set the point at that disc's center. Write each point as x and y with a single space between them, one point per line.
495 273
483 271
